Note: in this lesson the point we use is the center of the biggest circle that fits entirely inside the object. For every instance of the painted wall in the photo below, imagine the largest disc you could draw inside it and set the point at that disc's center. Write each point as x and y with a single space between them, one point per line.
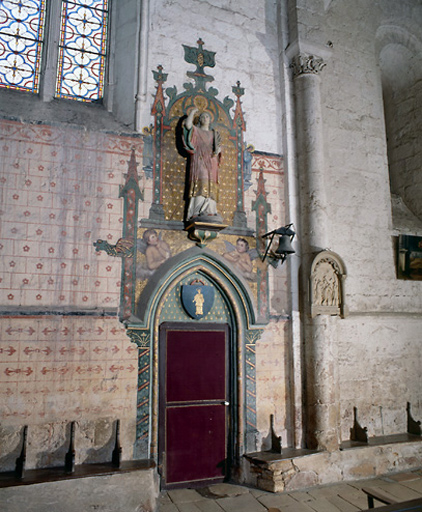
64 355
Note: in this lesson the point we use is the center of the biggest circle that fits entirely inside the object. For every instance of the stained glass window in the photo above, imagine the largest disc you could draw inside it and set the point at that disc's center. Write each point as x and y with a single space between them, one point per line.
82 49
21 42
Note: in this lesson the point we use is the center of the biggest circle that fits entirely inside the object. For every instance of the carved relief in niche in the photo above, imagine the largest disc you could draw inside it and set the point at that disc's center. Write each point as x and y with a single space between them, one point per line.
327 285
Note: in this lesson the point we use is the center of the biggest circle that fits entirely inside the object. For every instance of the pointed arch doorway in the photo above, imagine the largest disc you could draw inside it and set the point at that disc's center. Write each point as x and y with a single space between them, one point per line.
195 381
180 356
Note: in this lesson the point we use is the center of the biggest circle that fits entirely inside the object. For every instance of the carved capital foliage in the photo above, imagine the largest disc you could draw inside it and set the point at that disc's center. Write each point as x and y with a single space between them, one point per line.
139 336
304 64
253 335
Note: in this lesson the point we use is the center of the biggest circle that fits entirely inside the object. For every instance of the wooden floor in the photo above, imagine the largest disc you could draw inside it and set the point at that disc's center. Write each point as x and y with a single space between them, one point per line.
344 497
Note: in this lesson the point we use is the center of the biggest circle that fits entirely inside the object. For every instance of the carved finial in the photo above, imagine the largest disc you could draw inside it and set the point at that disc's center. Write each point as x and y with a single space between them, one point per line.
132 166
276 446
116 457
358 433
413 426
239 91
201 59
69 461
159 76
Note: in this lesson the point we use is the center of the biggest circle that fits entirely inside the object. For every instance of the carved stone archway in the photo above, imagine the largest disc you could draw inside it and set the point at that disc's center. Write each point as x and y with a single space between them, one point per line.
160 302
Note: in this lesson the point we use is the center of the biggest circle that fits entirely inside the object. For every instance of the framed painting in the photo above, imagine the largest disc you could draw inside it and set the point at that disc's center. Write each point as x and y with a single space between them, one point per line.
409 257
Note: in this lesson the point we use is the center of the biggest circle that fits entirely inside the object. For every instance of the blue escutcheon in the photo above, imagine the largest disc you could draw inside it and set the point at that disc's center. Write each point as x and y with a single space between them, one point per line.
197 300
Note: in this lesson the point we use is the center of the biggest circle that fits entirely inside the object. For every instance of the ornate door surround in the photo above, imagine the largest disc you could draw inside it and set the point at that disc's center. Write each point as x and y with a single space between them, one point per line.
160 302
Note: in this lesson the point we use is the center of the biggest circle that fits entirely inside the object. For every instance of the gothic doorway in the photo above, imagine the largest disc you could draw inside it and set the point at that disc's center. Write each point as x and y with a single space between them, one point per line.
176 351
194 404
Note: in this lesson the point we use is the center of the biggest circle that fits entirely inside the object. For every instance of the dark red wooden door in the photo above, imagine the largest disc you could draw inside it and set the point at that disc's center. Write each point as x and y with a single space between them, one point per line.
194 405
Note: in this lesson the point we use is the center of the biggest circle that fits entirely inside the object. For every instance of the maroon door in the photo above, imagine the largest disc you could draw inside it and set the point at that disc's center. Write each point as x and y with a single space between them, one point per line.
193 405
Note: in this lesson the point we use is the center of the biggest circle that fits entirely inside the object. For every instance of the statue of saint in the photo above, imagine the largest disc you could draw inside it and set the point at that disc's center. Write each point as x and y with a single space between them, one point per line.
204 147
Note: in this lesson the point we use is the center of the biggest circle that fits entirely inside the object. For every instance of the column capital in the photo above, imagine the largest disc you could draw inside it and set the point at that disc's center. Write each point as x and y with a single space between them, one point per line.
306 64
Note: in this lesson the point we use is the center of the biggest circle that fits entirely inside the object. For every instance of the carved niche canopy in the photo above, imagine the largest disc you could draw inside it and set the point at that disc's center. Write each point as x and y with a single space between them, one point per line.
327 280
169 159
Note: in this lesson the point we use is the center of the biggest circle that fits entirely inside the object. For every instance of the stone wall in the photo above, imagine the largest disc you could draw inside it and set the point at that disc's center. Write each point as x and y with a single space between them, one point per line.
379 366
133 492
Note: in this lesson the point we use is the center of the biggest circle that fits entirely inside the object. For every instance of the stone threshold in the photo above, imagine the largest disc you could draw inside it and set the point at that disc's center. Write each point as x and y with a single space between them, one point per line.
39 476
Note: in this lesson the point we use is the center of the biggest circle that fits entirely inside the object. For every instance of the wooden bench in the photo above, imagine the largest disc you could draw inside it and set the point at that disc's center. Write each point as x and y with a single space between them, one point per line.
403 506
374 493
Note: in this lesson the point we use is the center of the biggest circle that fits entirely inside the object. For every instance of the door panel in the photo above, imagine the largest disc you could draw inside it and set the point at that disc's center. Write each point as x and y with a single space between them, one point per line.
196 443
193 404
196 366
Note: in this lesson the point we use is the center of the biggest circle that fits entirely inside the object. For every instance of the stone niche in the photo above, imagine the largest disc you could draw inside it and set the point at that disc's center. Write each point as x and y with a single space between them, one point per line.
326 285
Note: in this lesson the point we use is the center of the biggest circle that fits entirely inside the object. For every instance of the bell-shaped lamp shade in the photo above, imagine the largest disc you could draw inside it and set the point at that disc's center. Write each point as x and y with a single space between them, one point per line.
284 246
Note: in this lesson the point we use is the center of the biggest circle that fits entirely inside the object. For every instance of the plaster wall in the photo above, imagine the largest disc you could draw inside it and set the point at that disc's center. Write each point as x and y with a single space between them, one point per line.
272 383
401 69
123 68
357 167
389 377
65 355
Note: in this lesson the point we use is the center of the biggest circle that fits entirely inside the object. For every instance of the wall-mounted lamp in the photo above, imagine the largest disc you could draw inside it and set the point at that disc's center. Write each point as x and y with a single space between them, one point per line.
284 248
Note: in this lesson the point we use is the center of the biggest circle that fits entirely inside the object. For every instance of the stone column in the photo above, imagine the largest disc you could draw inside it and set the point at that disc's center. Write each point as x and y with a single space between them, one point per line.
321 411
321 375
310 151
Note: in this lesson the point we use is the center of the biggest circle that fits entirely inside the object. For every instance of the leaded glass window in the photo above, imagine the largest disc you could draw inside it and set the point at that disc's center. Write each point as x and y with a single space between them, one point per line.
21 43
82 50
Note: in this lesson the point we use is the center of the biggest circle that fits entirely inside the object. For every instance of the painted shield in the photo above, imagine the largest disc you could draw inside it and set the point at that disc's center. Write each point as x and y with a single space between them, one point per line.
197 300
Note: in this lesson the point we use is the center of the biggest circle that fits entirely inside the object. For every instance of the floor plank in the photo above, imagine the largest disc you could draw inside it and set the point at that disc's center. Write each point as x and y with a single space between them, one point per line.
276 500
244 502
356 497
323 505
342 505
416 485
297 507
328 490
301 496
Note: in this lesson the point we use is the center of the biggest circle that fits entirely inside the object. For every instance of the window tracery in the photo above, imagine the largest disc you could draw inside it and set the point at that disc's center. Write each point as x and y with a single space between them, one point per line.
82 49
79 60
21 43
